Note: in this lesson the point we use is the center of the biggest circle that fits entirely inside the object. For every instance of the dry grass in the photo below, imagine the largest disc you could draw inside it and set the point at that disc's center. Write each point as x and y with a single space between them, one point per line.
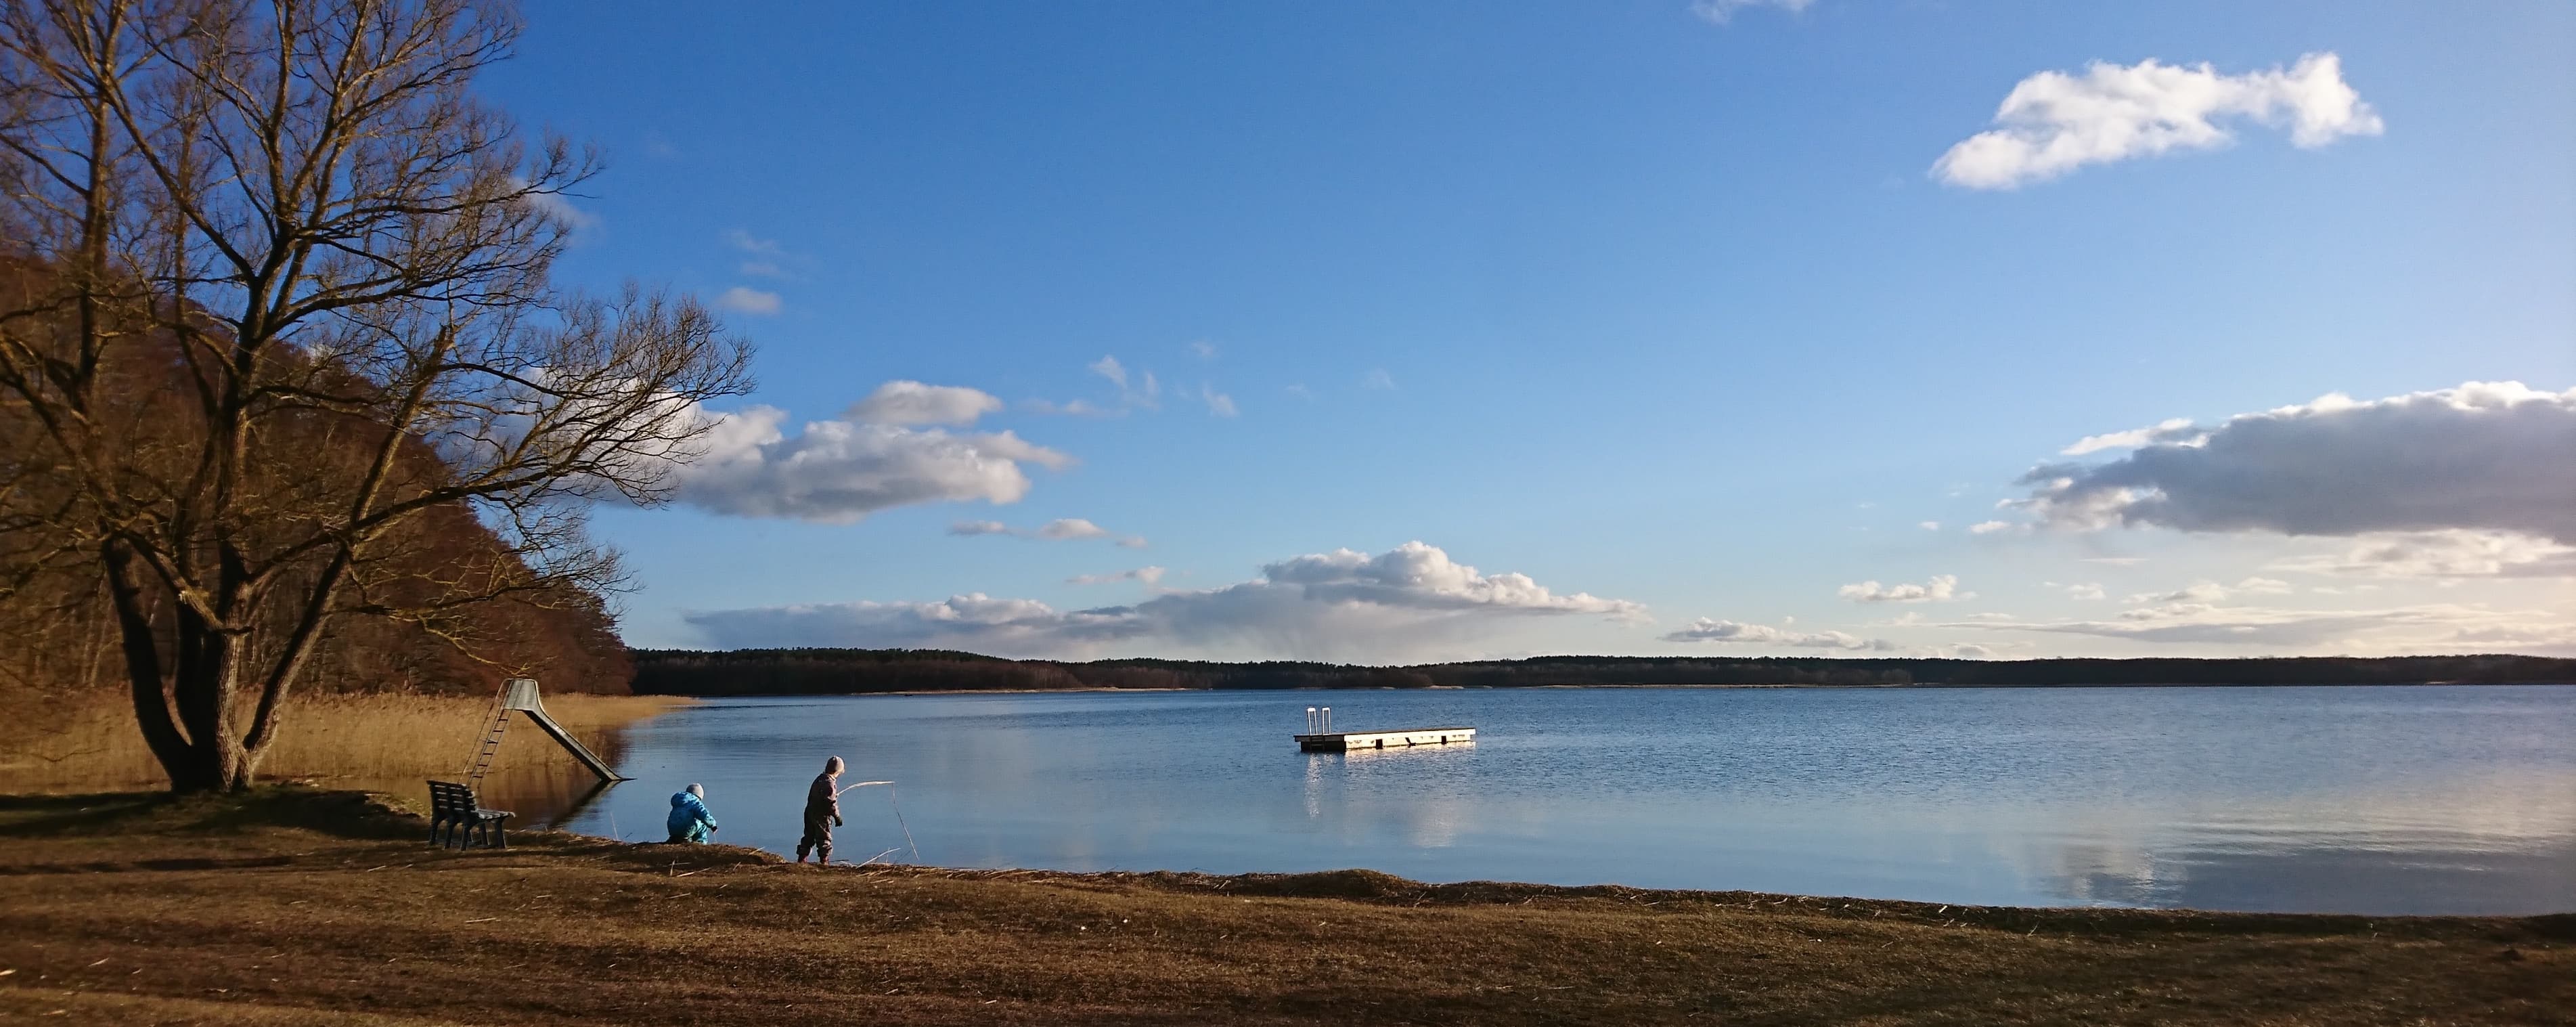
287 910
371 738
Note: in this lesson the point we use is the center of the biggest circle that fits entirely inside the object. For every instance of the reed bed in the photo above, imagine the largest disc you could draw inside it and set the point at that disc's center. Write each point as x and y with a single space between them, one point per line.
365 737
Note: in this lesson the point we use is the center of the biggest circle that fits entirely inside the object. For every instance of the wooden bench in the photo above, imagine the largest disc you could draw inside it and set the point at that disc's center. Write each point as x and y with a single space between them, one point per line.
454 816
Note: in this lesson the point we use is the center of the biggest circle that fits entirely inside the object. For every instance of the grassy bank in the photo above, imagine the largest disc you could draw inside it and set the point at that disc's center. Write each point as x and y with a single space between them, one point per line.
296 908
363 737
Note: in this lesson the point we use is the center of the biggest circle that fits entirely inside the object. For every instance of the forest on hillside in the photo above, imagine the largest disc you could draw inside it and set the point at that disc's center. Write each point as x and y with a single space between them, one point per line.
852 671
399 632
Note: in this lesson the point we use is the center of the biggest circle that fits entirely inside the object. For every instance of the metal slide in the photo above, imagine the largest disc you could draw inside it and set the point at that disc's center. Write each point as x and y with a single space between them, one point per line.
521 695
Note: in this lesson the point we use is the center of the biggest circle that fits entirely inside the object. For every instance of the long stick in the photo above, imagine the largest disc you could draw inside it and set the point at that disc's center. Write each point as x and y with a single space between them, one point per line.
898 820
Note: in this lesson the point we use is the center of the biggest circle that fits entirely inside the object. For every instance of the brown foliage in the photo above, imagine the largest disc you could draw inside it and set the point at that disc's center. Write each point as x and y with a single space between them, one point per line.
279 351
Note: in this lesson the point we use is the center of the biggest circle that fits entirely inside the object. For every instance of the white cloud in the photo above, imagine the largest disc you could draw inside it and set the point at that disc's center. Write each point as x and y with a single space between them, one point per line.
910 402
2053 123
2177 430
574 220
1074 408
2089 592
2452 553
762 269
1942 588
746 242
2435 628
743 300
1300 391
1706 629
1219 404
837 472
1720 12
1377 378
1204 349
1930 525
2483 456
2203 592
1135 391
1146 576
1060 530
1990 527
1326 605
1071 527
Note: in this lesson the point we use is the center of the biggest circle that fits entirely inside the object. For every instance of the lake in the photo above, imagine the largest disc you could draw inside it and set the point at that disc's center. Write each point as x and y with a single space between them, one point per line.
2376 800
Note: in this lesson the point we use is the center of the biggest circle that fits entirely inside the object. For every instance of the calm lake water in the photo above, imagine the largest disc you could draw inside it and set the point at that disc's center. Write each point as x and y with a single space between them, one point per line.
2372 800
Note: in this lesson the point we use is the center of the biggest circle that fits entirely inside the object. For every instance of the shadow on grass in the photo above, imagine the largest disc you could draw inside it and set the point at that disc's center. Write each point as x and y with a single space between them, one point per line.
347 814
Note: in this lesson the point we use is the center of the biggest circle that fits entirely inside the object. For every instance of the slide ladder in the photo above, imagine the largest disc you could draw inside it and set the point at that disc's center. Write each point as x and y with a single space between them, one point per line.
491 745
521 694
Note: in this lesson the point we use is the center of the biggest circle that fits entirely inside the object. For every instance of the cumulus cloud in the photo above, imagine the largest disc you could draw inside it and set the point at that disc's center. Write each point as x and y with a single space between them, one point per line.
909 402
2052 122
1991 527
1942 588
1707 629
839 471
1323 605
1720 12
979 528
743 300
2089 592
1146 576
2483 456
1929 525
2453 553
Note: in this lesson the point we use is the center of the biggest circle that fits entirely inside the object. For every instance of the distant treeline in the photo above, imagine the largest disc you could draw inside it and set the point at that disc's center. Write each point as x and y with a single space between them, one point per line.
843 671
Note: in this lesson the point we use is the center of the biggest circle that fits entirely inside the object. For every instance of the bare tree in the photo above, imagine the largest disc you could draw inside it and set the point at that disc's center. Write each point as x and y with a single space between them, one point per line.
279 291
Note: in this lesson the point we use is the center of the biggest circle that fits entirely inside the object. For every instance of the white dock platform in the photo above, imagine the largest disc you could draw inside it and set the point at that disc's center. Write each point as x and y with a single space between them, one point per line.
1346 741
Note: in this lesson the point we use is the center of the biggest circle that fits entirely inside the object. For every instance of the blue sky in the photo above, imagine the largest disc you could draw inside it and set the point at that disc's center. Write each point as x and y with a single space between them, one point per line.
1665 308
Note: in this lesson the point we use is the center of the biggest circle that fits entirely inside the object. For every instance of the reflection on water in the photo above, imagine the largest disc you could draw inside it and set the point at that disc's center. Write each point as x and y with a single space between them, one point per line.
540 794
2370 800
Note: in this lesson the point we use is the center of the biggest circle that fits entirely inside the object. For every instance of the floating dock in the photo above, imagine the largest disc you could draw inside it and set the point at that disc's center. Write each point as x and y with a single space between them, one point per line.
1346 741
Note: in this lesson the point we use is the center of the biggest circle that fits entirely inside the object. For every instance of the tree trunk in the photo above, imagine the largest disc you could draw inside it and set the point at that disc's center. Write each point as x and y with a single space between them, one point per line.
198 748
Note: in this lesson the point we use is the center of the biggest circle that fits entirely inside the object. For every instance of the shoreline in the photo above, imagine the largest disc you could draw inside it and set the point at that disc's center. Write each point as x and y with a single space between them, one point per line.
294 906
1103 689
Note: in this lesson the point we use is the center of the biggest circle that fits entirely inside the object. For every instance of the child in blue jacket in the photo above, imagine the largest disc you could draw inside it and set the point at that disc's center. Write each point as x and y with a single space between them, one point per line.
690 821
